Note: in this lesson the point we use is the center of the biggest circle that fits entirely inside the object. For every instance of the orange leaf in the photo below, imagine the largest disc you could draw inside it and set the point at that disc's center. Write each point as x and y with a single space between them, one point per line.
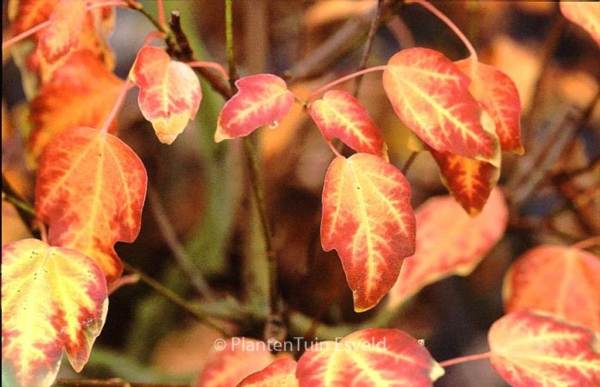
535 350
262 99
90 190
26 14
575 278
281 372
338 114
498 95
448 242
430 95
368 219
53 298
170 92
232 361
375 357
58 106
584 14
58 39
469 181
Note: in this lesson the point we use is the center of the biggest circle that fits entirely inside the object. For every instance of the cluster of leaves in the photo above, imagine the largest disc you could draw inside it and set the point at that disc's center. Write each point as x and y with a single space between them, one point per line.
90 189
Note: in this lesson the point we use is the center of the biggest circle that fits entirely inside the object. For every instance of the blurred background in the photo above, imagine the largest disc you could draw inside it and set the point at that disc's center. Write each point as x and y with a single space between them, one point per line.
199 191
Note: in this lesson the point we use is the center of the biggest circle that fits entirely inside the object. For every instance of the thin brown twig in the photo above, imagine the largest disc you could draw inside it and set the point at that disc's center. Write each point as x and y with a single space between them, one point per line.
175 299
193 275
375 23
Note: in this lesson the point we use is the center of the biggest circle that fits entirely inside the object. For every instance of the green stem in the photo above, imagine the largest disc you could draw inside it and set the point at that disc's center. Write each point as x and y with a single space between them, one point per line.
409 162
229 43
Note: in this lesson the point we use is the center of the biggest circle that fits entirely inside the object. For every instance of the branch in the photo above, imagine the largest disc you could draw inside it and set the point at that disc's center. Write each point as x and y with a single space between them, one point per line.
25 210
175 299
193 275
369 45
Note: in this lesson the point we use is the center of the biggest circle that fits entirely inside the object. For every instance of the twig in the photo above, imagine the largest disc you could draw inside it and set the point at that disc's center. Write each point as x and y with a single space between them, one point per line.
174 298
548 50
193 275
179 46
345 40
541 160
409 162
274 327
369 45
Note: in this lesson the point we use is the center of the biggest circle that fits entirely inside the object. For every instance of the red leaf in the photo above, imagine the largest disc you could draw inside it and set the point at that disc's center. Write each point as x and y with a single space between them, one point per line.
498 95
233 361
430 95
584 14
262 99
370 357
58 39
281 372
52 299
368 219
57 107
534 350
448 242
170 92
338 114
90 190
575 278
469 181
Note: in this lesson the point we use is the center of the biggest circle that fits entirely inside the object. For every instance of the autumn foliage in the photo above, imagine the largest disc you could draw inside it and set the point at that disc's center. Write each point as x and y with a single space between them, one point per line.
90 188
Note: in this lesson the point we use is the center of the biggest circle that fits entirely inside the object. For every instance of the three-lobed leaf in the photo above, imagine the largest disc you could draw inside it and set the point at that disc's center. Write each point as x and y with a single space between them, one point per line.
575 278
170 92
53 298
430 94
370 357
339 115
368 219
529 349
448 242
261 100
90 190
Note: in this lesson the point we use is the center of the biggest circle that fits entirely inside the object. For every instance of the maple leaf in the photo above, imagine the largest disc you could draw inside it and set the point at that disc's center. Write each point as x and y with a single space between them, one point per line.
53 298
90 190
586 15
575 278
448 242
338 114
57 107
469 181
170 92
233 361
376 357
528 349
58 39
282 372
429 93
261 100
368 219
498 95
